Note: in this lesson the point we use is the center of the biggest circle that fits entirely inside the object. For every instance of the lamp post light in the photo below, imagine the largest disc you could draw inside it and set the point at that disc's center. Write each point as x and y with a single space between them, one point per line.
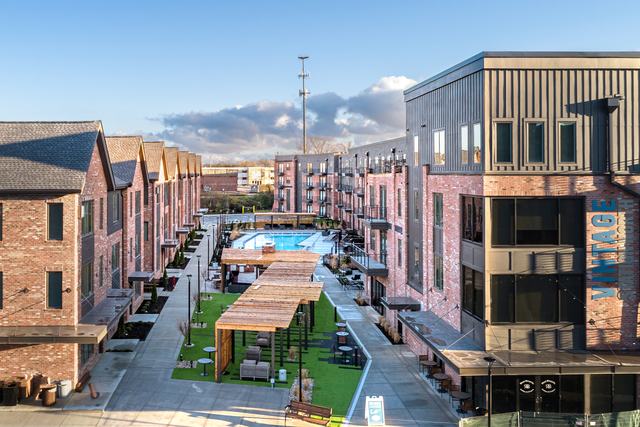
188 344
300 320
208 253
489 361
198 311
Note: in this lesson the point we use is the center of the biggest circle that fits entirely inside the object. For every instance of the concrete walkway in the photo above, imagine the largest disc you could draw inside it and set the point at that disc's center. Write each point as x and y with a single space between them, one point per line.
408 399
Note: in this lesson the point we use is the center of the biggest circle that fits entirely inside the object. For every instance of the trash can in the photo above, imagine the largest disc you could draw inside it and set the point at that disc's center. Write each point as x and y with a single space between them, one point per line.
64 389
282 375
48 395
10 394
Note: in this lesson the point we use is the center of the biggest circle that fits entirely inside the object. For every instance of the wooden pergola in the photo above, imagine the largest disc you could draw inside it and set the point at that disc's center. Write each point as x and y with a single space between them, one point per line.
270 303
290 218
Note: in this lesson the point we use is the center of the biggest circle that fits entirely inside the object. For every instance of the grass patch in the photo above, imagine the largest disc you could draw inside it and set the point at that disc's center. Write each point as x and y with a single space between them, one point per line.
333 385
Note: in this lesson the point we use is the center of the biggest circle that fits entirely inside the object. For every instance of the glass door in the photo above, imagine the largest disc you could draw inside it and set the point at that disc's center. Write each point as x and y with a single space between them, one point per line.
538 393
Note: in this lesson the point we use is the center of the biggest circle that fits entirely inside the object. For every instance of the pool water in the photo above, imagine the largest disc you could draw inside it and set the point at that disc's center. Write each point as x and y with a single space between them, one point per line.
282 241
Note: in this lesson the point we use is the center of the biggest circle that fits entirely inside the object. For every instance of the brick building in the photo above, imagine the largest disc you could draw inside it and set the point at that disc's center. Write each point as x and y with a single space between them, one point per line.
77 239
220 182
503 227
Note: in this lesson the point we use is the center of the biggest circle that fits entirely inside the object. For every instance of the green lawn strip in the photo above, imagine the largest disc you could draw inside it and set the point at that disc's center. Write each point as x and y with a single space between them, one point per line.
333 386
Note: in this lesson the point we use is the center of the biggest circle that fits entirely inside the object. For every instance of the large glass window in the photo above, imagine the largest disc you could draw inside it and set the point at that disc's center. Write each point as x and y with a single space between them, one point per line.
87 217
438 273
504 145
537 298
399 202
86 350
464 141
87 280
101 271
416 160
437 209
613 393
416 262
567 142
537 222
115 256
438 147
477 138
473 292
472 217
535 139
54 289
137 202
54 221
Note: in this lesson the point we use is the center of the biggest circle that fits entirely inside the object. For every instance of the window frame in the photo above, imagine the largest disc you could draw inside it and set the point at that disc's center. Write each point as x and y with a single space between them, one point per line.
463 298
437 223
416 205
138 206
399 252
399 213
90 280
494 124
438 272
87 207
115 204
473 223
479 142
462 144
441 145
560 122
545 151
416 149
49 222
101 215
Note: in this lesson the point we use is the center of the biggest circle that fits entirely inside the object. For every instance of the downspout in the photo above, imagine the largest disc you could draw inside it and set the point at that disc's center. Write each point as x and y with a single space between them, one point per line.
612 105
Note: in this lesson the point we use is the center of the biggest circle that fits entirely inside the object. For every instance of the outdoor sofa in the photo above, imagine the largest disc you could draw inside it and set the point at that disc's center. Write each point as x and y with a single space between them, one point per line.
253 369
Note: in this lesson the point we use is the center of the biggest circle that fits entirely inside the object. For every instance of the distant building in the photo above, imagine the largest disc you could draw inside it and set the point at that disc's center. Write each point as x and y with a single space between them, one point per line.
220 182
245 175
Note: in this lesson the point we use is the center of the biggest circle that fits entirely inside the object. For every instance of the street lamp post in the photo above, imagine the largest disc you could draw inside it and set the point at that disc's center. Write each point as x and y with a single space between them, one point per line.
300 319
198 311
490 361
208 253
189 315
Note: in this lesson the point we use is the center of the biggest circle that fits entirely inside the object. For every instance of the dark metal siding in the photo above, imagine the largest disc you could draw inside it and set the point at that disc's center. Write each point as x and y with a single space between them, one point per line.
112 226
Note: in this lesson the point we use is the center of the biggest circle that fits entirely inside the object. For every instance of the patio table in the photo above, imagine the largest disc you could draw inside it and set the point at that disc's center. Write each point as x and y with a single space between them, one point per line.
459 395
209 350
204 363
345 349
440 377
428 364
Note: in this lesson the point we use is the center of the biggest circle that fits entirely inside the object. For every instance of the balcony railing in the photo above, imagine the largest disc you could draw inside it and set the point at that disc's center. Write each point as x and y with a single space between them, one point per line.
324 186
360 171
279 197
359 211
387 166
376 213
307 199
346 188
309 185
308 171
359 191
369 260
322 171
280 173
346 207
281 185
346 171
322 201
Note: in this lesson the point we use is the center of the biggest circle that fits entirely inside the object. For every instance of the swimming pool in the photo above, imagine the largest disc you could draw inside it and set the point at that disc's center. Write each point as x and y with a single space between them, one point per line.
282 241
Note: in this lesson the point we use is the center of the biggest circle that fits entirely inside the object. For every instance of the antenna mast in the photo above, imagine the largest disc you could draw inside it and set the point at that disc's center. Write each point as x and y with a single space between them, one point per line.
304 93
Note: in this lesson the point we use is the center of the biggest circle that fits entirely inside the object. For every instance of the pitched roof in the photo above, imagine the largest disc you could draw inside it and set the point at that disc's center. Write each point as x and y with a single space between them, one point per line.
153 153
48 156
192 163
172 160
199 165
123 153
184 162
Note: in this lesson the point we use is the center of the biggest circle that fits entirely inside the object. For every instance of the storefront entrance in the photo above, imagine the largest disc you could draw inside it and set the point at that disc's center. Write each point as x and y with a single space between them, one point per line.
539 393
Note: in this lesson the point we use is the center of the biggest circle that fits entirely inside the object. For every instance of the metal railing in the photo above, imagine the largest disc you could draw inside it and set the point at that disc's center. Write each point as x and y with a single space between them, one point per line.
547 419
359 211
308 171
386 166
324 186
376 213
368 260
346 206
360 171
359 191
347 171
346 188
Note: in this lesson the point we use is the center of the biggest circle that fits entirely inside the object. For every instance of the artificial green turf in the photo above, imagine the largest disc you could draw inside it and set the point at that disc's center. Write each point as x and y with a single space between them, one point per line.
333 386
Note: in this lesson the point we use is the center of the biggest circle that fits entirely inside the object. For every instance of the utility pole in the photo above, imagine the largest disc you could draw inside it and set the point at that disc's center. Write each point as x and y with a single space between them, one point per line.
304 93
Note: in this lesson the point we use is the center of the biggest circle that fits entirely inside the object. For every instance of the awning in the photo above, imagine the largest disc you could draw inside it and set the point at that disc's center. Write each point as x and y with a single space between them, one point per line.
140 276
91 329
401 303
182 231
466 358
169 244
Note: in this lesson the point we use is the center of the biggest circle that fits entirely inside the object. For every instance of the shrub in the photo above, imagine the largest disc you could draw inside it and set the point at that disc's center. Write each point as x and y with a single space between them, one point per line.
122 330
154 294
165 278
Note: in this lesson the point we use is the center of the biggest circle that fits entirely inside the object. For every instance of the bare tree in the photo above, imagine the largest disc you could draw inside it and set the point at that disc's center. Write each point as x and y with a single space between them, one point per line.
345 145
319 145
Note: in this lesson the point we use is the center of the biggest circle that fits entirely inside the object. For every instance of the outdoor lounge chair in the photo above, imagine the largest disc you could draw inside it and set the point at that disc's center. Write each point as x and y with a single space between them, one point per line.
254 353
263 339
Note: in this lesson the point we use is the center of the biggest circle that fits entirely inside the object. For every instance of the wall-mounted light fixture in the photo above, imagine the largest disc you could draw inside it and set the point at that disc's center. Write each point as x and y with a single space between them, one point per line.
25 290
68 290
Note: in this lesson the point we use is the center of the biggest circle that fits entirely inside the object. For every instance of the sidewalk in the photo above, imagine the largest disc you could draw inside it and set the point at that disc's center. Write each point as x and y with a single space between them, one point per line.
408 400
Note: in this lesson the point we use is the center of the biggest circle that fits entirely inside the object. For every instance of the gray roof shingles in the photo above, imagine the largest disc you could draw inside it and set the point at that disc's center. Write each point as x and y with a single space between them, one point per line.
123 153
46 156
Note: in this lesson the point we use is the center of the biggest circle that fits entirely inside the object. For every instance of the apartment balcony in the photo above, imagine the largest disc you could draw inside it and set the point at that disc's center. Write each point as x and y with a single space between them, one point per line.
280 173
281 185
340 204
346 172
243 175
347 189
189 224
358 191
359 211
370 264
308 200
347 208
308 171
375 218
322 186
281 198
170 244
322 172
182 231
309 186
360 172
324 201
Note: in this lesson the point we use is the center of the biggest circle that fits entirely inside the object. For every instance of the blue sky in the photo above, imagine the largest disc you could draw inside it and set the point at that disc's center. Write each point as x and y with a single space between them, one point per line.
180 71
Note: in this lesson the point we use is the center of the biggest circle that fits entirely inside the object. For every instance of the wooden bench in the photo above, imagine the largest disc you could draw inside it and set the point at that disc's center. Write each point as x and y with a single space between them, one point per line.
305 412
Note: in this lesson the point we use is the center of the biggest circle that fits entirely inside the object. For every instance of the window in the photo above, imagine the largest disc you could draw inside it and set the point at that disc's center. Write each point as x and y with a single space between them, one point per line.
372 241
87 217
613 393
464 141
130 249
137 289
115 257
54 221
567 142
537 298
416 155
438 276
473 292
535 141
1 291
309 195
372 196
280 167
309 208
86 350
101 211
437 209
115 201
167 194
472 219
551 221
309 167
399 202
399 253
288 166
146 195
145 230
504 145
309 181
138 244
438 147
137 202
130 204
416 205
100 271
87 280
416 262
477 138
